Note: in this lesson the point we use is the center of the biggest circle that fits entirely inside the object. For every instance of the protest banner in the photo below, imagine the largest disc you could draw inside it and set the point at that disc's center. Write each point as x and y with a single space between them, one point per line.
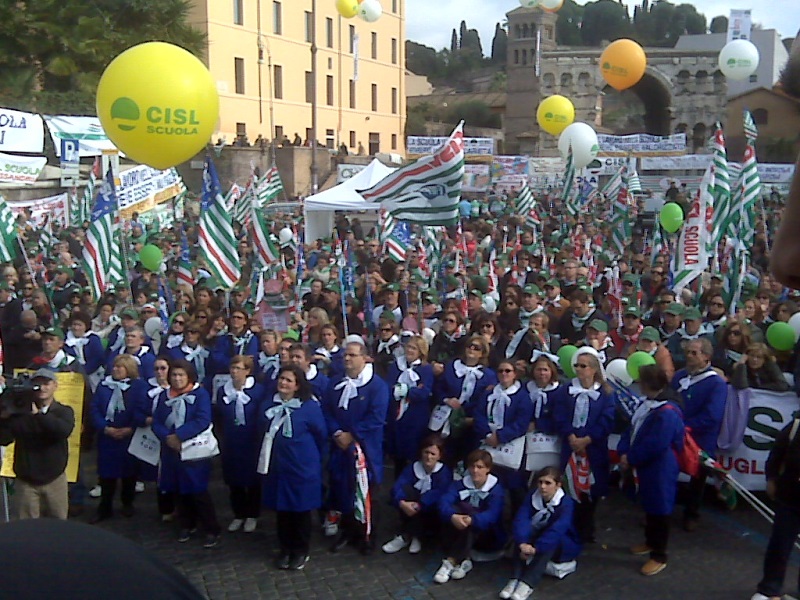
641 144
476 178
21 131
21 169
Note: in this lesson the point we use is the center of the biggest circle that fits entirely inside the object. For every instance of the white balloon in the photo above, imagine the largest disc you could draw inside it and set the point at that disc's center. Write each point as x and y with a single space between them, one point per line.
286 236
583 140
794 321
738 60
529 3
370 10
551 4
618 369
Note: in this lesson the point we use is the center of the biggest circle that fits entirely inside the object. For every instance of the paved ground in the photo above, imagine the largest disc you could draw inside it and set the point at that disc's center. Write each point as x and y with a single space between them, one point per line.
720 561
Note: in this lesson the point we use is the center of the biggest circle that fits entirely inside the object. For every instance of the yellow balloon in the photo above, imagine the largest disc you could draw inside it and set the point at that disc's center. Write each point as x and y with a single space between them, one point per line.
555 114
623 64
347 8
158 104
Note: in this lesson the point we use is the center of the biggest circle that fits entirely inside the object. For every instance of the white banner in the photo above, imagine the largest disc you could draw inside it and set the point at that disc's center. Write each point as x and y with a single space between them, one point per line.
691 256
418 145
55 206
87 130
769 413
476 178
21 169
345 172
699 162
641 144
740 24
142 188
609 165
21 131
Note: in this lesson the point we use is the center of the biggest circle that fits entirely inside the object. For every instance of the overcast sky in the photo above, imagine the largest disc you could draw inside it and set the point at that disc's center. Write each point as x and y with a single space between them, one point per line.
430 22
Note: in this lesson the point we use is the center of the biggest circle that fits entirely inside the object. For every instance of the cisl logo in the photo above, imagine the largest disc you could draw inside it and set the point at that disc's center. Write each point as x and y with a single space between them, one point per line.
125 113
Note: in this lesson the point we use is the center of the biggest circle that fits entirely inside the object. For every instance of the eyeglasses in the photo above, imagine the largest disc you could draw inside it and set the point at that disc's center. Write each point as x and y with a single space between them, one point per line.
386 329
475 347
505 370
450 321
716 304
176 322
582 366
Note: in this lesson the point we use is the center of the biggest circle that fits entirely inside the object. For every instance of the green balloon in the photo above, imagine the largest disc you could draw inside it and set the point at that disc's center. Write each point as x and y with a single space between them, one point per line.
781 336
565 354
636 361
151 257
671 217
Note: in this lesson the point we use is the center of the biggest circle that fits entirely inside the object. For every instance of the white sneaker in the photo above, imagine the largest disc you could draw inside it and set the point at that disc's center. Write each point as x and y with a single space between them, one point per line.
250 525
415 546
96 492
523 591
508 591
443 574
235 525
396 544
331 525
461 570
139 487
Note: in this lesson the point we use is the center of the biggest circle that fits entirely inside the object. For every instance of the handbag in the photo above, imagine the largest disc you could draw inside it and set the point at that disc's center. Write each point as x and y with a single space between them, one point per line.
145 446
689 457
509 454
202 446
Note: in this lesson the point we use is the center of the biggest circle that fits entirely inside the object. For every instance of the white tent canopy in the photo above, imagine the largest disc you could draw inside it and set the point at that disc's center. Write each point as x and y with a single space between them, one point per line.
319 209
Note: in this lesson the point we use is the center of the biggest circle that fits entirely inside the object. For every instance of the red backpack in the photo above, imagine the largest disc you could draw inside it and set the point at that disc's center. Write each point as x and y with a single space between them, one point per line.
689 457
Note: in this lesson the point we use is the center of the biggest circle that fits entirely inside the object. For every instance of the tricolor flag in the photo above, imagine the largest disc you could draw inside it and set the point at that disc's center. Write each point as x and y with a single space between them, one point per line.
427 191
568 192
216 239
244 203
266 250
386 227
525 201
269 187
101 239
621 231
398 242
80 206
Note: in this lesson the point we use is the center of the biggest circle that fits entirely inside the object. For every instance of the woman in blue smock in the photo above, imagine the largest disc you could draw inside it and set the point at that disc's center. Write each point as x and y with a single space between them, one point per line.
85 345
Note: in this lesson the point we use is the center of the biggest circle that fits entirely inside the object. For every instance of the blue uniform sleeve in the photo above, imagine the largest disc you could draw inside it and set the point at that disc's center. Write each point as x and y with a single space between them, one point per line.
601 427
99 409
405 479
374 418
517 419
521 526
447 503
328 405
197 420
657 435
424 388
493 513
440 483
551 538
709 417
140 402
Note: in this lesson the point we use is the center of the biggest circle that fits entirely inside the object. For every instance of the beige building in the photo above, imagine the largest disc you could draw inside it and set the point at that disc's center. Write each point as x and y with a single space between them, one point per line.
259 53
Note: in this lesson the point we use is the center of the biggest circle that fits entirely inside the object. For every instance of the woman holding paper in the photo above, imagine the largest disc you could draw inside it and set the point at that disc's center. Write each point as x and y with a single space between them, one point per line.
291 459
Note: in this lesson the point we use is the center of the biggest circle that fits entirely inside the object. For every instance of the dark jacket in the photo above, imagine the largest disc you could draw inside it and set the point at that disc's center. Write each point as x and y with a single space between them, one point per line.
20 351
41 451
783 466
769 377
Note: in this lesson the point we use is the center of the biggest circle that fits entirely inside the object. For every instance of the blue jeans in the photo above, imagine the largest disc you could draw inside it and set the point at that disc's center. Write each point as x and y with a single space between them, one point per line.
531 573
784 533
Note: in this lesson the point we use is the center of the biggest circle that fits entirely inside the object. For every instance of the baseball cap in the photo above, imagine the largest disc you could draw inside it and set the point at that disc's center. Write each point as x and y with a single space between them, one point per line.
4 285
598 325
650 334
476 293
634 310
675 308
130 313
553 283
532 290
392 287
54 332
45 374
692 314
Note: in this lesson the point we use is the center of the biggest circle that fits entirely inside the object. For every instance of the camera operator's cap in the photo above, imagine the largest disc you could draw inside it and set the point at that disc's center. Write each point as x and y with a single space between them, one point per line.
598 325
65 270
54 332
675 308
650 334
45 374
130 313
532 290
692 314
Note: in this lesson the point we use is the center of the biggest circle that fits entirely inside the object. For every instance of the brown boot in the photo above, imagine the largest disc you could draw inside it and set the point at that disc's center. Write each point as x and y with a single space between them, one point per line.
653 567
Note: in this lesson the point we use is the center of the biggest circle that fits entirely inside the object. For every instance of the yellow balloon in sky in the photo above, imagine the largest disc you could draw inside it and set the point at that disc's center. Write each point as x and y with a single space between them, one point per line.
555 114
347 8
158 104
623 64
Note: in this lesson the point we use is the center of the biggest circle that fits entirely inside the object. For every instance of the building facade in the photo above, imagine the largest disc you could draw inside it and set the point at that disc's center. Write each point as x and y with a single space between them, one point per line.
260 55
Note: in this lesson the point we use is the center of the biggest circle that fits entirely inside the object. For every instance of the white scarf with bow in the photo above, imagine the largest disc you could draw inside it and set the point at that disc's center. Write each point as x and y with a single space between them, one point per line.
349 386
582 397
543 511
476 495
326 353
174 340
410 378
154 392
78 344
640 414
177 417
424 479
312 372
60 359
117 402
197 356
231 394
497 403
240 342
537 353
119 342
539 396
385 346
269 363
470 377
684 383
281 418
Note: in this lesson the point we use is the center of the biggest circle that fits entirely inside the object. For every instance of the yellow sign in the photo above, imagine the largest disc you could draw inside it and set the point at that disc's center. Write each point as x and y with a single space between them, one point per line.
69 393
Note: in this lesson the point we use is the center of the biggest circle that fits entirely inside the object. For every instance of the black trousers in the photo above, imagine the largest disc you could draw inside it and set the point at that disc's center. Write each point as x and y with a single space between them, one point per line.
583 517
694 496
197 509
458 543
656 535
294 532
531 572
109 488
245 501
423 524
779 550
166 502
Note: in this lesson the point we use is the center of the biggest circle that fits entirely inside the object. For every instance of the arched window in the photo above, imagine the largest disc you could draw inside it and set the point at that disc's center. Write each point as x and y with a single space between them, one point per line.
566 83
549 81
516 57
701 82
524 57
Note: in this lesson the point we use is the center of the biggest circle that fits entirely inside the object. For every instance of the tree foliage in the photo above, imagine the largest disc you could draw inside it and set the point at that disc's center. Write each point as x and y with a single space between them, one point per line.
719 24
52 53
568 26
499 45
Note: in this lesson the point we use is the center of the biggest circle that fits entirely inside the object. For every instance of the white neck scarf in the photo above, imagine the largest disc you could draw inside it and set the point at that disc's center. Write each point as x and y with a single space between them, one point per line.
154 392
174 340
539 396
280 414
385 346
326 353
409 377
351 386
120 341
78 344
240 343
686 382
231 394
117 402
475 496
582 397
641 412
496 404
470 377
312 372
61 358
424 481
197 356
543 511
178 405
268 362
515 342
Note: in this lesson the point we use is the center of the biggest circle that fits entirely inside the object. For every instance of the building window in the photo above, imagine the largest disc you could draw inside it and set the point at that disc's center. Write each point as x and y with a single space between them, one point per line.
394 141
278 81
394 6
309 26
374 143
277 21
394 101
352 139
309 137
374 46
394 51
238 12
352 94
374 97
329 90
329 32
760 116
516 57
309 87
330 138
352 39
238 70
754 78
279 133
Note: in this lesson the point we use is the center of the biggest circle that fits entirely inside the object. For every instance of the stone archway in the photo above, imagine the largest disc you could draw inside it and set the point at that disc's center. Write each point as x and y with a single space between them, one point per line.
647 106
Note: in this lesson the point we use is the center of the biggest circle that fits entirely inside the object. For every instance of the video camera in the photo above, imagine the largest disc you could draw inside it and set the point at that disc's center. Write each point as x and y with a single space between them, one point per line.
19 395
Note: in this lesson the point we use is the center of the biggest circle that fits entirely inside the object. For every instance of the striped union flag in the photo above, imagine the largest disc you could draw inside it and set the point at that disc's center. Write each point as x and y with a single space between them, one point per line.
8 233
270 186
217 242
722 189
102 243
427 191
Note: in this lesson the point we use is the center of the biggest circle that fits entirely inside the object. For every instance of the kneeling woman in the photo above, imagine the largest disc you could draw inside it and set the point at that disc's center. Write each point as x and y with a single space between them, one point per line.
472 511
543 532
416 494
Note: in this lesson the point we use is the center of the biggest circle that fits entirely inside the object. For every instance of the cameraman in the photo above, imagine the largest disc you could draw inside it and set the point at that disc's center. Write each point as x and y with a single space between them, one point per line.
41 451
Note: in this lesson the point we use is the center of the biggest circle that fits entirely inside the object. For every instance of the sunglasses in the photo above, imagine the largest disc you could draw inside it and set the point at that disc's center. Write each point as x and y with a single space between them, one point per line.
582 366
716 304
505 370
450 321
475 347
735 332
176 322
386 329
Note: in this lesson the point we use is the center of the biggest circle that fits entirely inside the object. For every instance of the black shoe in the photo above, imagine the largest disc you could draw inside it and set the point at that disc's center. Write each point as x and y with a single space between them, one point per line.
212 541
298 562
98 517
341 541
184 536
366 547
282 561
127 511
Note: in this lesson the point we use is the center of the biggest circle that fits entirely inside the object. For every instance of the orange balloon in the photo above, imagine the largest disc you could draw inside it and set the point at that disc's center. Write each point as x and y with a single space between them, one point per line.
623 64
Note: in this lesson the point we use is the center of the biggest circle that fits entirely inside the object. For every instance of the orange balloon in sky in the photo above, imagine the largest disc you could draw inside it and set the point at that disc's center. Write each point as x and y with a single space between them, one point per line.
623 64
